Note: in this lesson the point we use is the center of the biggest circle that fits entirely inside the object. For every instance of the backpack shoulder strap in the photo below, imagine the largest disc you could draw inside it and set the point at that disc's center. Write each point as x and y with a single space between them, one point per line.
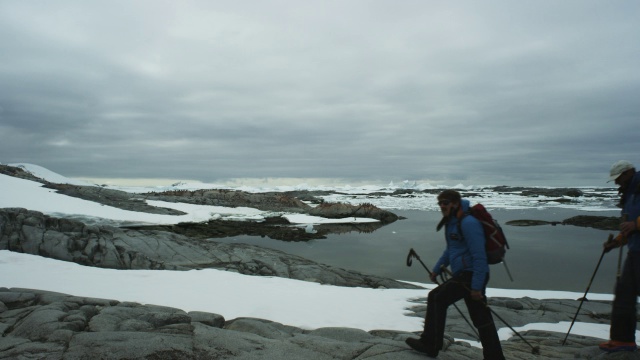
464 215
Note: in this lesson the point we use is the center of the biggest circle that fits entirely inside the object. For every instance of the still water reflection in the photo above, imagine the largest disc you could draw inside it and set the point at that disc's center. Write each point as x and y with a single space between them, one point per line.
542 257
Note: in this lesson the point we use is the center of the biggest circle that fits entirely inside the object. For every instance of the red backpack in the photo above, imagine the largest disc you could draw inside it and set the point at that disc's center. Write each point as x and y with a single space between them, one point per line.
495 242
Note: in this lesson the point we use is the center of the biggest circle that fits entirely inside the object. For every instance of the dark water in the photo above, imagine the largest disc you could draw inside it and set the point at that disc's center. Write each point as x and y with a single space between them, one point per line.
542 257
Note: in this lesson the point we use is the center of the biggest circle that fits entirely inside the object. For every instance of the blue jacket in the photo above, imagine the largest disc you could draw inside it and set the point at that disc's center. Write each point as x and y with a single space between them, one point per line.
465 253
631 208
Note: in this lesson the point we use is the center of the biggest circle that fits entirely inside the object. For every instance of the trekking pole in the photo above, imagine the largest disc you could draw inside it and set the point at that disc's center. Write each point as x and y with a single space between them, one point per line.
534 349
619 273
412 254
584 297
507 268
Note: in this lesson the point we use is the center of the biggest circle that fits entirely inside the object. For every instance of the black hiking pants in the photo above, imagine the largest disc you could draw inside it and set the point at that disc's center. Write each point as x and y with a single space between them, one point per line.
438 302
623 313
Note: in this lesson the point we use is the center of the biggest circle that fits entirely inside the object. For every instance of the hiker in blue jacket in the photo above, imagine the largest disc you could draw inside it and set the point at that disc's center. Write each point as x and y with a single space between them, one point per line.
623 314
465 254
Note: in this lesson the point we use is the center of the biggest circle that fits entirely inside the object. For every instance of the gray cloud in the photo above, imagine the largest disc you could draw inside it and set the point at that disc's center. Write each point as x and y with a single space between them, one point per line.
537 93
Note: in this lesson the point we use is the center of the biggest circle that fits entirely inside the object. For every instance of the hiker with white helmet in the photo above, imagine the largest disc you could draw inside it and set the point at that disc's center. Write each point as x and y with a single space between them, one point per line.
623 313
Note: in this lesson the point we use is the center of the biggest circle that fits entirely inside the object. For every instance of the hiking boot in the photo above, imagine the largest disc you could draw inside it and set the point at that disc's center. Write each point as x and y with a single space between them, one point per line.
615 346
420 345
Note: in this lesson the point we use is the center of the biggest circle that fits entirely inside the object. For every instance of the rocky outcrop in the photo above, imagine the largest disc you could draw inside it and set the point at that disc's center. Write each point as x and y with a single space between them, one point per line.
115 198
522 311
341 211
216 197
111 247
278 202
274 202
233 198
611 223
20 173
277 228
46 325
524 191
535 191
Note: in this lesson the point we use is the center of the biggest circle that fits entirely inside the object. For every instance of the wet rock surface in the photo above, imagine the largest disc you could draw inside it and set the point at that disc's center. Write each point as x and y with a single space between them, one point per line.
46 325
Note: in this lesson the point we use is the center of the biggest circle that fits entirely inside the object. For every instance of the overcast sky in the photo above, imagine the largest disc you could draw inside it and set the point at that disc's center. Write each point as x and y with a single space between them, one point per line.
478 92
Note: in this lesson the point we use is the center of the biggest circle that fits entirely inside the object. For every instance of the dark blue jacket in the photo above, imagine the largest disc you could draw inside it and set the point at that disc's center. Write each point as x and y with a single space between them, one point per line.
465 253
631 208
